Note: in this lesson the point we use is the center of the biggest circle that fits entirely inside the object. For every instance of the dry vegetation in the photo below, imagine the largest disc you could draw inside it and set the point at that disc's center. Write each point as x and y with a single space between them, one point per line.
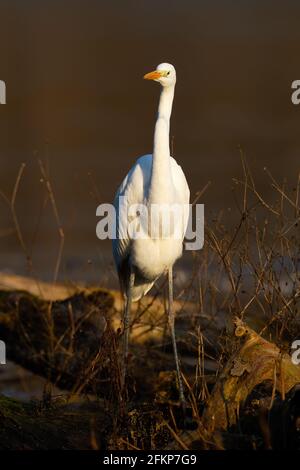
237 317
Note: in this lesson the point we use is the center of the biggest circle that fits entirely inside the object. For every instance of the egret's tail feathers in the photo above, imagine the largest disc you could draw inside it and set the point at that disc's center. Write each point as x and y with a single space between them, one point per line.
142 284
140 290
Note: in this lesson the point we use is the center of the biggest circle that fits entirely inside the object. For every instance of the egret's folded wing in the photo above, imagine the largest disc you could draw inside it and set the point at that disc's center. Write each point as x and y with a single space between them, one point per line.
131 191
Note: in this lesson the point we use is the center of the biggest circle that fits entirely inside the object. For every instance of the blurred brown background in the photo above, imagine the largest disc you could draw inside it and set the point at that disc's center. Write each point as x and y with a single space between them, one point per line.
76 99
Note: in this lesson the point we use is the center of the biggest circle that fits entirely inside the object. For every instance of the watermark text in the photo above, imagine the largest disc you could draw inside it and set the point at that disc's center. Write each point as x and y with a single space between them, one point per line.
2 352
2 92
296 93
155 221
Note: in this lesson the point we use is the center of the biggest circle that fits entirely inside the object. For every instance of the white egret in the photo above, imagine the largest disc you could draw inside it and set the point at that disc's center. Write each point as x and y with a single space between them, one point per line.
153 180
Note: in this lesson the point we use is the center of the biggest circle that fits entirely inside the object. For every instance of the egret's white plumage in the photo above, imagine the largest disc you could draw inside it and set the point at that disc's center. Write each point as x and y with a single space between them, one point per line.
150 256
154 179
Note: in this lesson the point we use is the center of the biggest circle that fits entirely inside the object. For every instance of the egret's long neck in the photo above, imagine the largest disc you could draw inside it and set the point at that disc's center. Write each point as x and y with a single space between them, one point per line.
161 179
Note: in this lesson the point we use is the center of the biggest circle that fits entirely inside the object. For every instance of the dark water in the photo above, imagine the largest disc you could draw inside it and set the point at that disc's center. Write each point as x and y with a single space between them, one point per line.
75 99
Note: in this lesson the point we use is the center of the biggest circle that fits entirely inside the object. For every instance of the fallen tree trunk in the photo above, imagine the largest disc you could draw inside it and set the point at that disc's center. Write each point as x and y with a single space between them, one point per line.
70 342
152 309
256 361
75 342
72 337
27 426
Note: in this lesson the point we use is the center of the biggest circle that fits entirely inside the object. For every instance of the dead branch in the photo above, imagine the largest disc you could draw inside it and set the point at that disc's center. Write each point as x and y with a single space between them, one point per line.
256 361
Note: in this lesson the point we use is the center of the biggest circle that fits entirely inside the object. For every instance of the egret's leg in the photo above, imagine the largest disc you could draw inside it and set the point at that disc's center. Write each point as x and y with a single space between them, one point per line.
127 323
171 321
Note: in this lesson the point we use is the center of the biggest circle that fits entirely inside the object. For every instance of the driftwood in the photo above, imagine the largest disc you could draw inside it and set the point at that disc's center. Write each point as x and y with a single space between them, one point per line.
256 361
71 336
30 426
151 326
70 342
74 343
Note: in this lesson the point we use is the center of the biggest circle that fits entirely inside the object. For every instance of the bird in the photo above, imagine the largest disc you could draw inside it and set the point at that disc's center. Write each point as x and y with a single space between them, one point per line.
155 180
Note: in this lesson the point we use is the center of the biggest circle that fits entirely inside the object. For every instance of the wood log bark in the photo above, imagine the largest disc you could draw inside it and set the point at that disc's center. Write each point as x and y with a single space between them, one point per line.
29 426
73 342
255 361
70 342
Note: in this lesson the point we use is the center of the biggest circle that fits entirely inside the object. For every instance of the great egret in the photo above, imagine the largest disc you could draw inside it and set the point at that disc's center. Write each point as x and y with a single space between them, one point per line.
154 180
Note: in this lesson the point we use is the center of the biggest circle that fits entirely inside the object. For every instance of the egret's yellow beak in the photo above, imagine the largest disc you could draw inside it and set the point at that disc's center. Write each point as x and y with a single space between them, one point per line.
153 75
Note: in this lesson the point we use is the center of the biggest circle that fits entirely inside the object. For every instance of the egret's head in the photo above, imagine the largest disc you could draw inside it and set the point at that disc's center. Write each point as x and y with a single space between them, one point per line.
165 74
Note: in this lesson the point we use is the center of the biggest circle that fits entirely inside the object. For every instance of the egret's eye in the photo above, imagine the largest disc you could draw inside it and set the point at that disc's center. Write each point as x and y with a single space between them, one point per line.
168 73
